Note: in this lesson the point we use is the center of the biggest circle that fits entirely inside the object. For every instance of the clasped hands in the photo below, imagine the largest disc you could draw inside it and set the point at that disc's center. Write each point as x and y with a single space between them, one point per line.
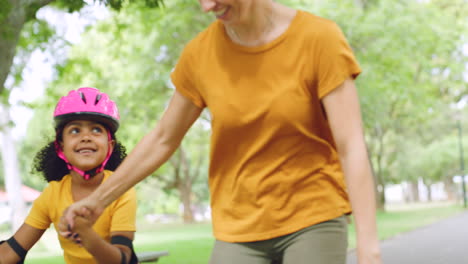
78 228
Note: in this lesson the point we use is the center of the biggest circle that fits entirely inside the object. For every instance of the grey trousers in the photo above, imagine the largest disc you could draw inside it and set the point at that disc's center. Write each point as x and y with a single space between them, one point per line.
323 243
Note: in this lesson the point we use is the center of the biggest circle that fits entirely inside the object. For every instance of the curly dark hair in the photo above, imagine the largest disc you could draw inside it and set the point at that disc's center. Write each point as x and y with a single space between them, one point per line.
53 168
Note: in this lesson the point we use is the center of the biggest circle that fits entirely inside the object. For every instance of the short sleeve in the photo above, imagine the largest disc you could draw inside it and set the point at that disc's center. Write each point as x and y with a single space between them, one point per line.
124 212
336 61
39 216
183 76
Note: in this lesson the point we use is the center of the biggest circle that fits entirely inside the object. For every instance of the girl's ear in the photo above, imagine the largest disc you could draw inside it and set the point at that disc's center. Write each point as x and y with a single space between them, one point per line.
111 145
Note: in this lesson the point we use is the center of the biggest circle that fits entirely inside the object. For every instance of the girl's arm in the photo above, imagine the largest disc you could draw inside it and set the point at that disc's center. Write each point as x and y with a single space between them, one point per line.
102 251
344 116
26 236
148 155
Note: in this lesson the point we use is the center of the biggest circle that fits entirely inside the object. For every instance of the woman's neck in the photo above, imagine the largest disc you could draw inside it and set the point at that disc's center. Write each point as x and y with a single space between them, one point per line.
266 24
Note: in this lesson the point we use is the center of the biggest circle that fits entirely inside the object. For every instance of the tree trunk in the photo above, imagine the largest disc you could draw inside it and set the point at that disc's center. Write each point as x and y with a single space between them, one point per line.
380 203
11 171
380 191
186 197
450 189
9 35
15 14
381 200
414 191
429 192
379 172
407 194
365 4
185 187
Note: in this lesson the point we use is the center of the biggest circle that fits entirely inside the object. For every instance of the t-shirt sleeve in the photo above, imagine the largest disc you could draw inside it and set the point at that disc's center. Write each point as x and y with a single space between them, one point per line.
124 212
183 76
336 61
39 216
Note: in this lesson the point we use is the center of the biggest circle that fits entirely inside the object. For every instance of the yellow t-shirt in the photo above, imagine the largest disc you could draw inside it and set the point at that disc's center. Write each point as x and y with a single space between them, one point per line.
56 197
274 168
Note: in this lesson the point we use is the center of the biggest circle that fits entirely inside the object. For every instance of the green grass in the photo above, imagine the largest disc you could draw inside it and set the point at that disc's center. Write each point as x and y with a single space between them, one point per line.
191 244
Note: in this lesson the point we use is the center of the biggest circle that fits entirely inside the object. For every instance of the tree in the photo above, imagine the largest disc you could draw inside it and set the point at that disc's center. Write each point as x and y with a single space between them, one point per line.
15 15
189 163
410 73
435 162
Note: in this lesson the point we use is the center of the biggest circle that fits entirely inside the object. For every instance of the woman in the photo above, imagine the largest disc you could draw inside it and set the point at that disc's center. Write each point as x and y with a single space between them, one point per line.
286 138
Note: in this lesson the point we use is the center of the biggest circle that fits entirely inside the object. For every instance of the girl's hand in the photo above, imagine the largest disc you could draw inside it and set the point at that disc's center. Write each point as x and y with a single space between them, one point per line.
86 208
83 227
82 224
66 231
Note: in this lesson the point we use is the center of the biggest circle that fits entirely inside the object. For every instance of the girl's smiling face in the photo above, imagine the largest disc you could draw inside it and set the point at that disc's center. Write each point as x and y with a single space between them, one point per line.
85 143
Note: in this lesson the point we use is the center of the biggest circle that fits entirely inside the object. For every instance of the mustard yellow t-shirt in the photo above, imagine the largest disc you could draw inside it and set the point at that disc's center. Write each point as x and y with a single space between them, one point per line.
274 168
57 196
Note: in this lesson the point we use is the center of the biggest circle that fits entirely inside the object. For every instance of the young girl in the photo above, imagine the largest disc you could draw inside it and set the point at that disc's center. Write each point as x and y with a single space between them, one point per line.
83 155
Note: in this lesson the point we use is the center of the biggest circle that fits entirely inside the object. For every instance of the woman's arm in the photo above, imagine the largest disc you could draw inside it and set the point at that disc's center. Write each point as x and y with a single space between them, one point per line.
148 155
344 116
102 251
26 236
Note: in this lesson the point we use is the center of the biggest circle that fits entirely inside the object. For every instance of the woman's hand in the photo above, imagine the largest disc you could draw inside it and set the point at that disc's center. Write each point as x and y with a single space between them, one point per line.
344 116
86 208
369 255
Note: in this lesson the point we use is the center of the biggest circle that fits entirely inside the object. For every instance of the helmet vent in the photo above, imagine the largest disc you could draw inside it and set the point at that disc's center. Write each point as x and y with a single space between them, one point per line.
83 97
98 97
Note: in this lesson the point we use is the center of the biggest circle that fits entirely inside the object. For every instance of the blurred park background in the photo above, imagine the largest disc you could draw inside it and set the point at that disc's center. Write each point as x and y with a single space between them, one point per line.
413 91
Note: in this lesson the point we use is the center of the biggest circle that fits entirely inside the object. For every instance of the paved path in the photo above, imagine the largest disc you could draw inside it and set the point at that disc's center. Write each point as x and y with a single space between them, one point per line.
444 242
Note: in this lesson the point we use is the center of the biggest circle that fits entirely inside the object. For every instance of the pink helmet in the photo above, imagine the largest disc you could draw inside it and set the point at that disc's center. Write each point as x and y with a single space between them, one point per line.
87 103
